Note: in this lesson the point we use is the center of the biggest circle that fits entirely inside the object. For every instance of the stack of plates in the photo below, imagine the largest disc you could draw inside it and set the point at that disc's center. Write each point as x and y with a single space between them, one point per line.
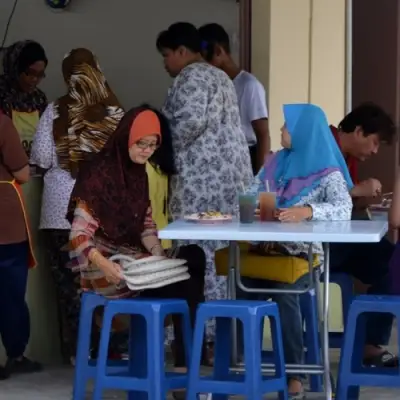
151 272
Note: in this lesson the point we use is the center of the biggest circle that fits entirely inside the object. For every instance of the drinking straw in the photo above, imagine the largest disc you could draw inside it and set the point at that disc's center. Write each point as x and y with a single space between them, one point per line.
267 186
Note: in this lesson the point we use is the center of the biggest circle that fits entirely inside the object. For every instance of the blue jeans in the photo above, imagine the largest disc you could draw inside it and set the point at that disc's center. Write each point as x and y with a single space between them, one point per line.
290 314
369 263
14 312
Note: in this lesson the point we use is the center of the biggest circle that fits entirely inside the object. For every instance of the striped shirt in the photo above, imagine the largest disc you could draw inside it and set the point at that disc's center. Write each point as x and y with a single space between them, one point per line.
83 239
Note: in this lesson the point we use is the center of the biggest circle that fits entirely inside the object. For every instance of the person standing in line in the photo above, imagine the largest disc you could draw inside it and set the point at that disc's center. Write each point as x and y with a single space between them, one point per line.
24 66
216 49
71 130
211 156
16 255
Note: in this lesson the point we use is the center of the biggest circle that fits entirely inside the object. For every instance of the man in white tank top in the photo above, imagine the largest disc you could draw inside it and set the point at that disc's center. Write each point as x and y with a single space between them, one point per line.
250 92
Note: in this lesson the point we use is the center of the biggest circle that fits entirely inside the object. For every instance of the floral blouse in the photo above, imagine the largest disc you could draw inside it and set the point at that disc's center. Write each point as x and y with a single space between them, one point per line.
83 239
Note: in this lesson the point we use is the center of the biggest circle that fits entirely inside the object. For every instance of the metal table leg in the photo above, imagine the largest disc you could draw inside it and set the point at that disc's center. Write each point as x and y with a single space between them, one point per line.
234 278
233 258
325 326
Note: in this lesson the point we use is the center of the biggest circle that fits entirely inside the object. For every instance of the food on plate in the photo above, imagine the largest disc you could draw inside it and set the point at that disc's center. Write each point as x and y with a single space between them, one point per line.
208 216
211 215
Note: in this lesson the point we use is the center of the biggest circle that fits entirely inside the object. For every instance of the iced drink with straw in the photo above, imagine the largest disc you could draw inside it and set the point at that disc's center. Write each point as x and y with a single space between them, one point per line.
267 201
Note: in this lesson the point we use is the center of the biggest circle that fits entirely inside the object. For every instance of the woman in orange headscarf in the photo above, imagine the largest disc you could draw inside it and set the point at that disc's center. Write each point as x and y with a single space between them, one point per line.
110 213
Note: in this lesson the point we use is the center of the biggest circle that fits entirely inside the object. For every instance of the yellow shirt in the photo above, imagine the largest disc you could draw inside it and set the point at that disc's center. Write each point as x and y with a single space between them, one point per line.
158 192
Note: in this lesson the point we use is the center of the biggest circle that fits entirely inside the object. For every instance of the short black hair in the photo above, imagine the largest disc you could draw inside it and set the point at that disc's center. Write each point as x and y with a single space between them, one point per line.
372 119
211 35
180 34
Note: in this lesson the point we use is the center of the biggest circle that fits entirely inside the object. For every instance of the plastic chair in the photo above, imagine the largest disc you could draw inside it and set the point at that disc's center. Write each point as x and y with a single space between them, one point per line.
352 373
143 375
85 368
222 383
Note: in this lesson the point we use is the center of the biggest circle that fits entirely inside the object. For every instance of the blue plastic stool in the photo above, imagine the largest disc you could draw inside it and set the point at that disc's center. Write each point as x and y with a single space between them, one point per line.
352 373
146 378
222 383
85 368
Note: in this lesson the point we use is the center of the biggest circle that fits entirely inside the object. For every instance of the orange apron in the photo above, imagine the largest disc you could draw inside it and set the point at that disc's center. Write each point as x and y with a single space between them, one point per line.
31 260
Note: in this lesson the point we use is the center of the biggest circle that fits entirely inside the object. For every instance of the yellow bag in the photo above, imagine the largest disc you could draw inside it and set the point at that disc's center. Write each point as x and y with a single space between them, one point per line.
286 269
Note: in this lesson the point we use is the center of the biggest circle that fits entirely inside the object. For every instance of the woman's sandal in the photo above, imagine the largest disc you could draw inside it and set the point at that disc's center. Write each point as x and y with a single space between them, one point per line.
179 395
383 360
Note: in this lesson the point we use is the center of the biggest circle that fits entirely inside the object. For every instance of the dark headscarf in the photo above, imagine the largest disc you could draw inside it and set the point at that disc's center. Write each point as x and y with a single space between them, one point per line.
17 59
114 189
87 115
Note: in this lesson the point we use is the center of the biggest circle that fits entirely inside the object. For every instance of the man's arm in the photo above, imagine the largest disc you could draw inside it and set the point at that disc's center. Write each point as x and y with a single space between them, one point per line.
257 112
369 188
261 129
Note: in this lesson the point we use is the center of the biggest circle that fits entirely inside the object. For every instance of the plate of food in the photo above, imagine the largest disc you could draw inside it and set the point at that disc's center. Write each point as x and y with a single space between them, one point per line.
383 206
209 217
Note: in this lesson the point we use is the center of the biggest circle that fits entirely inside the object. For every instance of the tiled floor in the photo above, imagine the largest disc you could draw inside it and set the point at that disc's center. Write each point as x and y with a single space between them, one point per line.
56 383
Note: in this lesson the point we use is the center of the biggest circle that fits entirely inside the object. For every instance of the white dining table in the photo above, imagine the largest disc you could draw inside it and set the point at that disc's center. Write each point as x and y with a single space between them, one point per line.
311 231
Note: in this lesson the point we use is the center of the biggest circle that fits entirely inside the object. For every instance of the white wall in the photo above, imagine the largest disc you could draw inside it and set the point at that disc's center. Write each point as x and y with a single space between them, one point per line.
298 52
122 33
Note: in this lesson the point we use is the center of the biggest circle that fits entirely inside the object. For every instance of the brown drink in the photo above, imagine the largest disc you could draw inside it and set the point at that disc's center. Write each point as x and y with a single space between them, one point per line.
267 206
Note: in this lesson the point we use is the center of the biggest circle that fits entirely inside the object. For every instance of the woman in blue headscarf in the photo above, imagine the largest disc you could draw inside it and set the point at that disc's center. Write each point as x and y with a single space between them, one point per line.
312 182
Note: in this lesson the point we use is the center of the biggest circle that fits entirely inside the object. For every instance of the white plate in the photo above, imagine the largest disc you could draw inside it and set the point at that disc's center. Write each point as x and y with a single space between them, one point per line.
155 276
208 220
379 207
124 259
158 284
157 266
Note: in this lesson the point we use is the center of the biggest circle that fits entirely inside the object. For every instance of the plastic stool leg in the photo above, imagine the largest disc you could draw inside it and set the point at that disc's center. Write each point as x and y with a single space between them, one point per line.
138 347
103 353
252 357
155 357
347 393
351 356
279 356
223 346
194 370
82 354
188 338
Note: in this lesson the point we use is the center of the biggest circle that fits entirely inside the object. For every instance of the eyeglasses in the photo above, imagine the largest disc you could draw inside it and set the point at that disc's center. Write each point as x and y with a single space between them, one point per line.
146 145
31 73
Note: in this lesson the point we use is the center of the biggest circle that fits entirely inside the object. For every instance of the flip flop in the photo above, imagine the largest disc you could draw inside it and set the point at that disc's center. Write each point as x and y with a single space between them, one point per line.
383 360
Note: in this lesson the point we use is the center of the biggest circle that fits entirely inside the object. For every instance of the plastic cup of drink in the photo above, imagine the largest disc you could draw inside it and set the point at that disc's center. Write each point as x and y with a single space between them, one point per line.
267 206
247 208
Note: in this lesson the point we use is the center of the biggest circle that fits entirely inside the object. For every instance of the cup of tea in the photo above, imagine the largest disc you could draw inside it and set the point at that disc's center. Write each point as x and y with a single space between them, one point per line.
267 206
247 207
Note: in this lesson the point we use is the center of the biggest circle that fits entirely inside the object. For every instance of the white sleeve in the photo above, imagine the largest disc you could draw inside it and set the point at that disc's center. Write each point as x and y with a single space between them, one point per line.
43 142
256 101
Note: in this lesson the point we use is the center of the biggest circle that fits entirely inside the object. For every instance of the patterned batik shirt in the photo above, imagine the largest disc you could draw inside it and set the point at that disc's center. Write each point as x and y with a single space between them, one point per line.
211 154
